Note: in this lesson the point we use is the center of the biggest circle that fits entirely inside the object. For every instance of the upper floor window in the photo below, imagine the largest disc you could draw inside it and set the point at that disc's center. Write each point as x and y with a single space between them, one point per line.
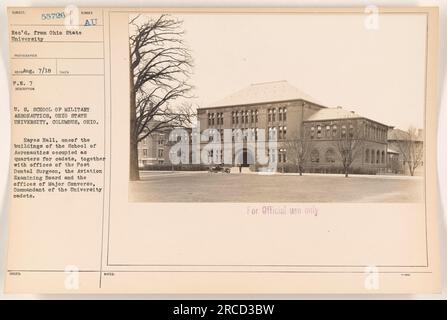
334 130
312 132
282 114
256 116
272 133
318 131
343 131
351 131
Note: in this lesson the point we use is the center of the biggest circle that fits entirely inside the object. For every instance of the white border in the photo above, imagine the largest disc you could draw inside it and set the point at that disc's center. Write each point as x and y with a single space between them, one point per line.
5 128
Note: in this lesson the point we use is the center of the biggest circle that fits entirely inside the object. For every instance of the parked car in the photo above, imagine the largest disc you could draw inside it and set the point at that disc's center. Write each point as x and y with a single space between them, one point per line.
219 168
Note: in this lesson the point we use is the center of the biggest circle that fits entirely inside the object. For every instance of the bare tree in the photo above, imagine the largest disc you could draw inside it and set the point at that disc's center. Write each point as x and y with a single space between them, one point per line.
160 67
298 149
349 144
411 147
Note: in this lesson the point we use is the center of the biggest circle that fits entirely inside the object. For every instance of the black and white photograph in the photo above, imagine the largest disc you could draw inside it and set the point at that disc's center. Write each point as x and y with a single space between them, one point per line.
254 108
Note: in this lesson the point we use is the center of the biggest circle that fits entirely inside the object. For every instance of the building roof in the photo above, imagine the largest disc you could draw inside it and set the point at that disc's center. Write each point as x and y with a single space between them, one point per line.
333 113
399 135
389 150
337 113
275 91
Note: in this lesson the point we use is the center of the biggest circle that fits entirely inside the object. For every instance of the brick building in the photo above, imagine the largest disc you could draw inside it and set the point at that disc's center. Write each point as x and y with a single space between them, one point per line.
292 114
153 149
279 108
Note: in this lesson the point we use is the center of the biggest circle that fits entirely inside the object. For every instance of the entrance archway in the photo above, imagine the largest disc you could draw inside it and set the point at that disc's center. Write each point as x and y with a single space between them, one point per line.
244 157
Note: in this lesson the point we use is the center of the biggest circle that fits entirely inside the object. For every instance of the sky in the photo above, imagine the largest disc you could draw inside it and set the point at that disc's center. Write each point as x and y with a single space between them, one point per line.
334 58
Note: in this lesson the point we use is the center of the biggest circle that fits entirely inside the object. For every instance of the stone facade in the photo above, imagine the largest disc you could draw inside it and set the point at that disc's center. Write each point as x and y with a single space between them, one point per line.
153 150
279 108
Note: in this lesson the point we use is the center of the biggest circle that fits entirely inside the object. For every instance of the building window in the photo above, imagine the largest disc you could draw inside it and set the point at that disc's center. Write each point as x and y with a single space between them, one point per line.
351 131
274 115
334 130
312 132
246 116
282 155
270 115
219 118
330 156
383 156
144 152
315 156
318 131
378 157
284 114
284 132
373 154
280 114
252 116
343 131
256 116
272 133
328 131
160 153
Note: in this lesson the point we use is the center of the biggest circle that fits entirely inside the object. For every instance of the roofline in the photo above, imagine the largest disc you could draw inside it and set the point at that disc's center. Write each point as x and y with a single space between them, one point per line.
333 119
260 103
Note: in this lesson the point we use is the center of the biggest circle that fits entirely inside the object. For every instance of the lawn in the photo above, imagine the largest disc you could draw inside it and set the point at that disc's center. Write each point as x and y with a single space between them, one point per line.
218 187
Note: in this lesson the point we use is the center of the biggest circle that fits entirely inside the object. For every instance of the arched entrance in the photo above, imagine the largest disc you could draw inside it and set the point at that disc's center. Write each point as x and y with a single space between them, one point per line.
244 157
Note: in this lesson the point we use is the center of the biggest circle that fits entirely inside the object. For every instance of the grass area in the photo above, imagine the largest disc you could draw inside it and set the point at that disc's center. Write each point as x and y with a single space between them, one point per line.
209 187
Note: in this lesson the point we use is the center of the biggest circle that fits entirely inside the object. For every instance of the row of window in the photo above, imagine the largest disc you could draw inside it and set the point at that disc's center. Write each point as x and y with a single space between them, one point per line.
282 114
331 131
327 131
280 132
248 116
371 156
215 118
160 140
375 133
374 157
329 156
160 153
